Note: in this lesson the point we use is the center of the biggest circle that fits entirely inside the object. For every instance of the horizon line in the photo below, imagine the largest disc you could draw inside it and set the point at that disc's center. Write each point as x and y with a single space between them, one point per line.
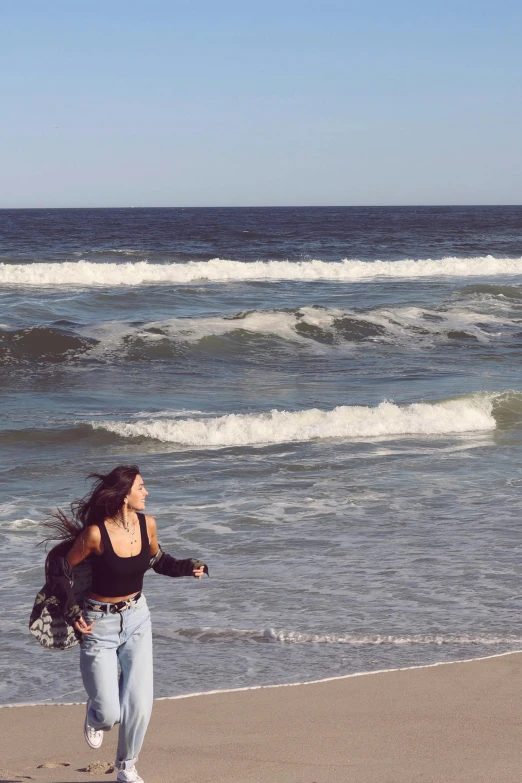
269 206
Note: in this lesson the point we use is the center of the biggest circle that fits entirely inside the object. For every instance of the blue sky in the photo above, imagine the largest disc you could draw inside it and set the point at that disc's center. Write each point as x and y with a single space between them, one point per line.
119 103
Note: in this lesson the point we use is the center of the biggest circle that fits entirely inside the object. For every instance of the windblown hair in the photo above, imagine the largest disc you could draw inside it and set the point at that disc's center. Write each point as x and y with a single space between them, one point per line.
104 500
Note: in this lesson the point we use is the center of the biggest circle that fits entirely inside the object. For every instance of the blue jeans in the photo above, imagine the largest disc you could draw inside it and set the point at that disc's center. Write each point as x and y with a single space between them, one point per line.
119 693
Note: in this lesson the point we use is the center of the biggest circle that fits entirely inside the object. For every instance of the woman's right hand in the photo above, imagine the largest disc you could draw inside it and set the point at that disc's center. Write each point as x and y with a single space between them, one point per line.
82 626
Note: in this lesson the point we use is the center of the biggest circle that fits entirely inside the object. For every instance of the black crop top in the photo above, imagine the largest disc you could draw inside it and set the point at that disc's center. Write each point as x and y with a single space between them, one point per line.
112 575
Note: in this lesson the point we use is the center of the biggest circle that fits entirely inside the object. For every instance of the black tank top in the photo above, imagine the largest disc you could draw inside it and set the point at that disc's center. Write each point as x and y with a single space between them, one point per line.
113 575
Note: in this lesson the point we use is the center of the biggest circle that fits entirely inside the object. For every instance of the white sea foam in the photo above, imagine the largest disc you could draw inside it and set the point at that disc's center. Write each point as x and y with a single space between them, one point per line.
86 273
471 414
19 524
359 640
431 323
112 334
353 639
193 329
422 325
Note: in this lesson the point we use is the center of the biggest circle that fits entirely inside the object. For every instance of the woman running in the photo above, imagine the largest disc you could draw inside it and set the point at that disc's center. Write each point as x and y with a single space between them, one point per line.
109 528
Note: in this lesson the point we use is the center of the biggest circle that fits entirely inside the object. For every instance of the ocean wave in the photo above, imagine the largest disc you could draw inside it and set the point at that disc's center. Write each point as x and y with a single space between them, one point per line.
240 332
89 274
267 635
495 291
469 414
55 436
304 325
40 343
475 413
172 337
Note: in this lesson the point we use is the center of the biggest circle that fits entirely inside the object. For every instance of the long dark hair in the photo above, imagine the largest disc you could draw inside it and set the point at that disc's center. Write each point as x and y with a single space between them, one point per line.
104 500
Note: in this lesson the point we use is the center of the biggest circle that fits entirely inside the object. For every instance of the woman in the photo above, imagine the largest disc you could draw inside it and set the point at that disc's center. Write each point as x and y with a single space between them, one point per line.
108 527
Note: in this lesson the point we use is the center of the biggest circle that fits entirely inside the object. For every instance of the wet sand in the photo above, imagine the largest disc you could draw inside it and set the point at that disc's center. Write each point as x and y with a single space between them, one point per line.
451 723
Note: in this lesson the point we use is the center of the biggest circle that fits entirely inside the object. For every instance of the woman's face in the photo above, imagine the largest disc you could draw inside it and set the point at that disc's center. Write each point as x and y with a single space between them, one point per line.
137 495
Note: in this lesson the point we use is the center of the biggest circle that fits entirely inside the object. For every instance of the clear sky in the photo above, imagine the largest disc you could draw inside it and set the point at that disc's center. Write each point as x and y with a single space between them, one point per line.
165 103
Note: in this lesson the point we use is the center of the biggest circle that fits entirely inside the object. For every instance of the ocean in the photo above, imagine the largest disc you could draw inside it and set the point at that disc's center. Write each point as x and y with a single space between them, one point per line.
325 405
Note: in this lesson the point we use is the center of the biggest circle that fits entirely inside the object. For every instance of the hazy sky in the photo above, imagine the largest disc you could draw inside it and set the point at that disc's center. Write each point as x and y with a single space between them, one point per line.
119 103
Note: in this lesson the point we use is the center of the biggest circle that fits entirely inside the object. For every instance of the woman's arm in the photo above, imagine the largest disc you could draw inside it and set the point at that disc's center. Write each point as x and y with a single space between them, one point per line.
165 564
85 544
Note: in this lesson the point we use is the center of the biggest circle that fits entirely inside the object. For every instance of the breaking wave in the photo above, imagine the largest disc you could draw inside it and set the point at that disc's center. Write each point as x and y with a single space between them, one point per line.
469 414
415 327
357 640
475 413
88 274
305 325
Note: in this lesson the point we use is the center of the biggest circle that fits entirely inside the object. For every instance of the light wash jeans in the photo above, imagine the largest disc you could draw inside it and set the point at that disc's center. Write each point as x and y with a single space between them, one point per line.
119 693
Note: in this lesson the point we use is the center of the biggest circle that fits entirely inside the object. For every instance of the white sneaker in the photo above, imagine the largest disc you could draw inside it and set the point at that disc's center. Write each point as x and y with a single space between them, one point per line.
129 776
93 737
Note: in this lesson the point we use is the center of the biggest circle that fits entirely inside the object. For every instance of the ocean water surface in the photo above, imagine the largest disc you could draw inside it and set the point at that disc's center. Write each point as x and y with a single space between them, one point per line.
325 404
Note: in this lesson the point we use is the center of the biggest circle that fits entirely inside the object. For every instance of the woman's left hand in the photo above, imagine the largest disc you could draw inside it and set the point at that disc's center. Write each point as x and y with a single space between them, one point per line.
198 572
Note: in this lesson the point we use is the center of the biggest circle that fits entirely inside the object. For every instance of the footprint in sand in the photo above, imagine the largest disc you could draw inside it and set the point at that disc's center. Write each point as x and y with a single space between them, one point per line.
53 764
98 767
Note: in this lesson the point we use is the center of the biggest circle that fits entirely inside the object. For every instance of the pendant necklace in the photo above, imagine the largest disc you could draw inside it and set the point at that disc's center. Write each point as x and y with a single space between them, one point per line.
120 521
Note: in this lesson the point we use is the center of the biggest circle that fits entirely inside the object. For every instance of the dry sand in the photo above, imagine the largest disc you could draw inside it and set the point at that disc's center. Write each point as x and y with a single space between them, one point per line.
452 723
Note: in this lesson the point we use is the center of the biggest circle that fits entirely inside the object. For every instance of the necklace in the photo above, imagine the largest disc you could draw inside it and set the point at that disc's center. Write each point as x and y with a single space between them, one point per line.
120 521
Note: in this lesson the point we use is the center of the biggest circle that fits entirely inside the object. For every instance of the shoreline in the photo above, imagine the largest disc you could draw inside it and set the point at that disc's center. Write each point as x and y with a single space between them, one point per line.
247 688
456 722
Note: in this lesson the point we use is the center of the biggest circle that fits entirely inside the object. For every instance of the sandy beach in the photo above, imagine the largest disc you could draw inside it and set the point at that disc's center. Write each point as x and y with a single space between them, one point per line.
450 723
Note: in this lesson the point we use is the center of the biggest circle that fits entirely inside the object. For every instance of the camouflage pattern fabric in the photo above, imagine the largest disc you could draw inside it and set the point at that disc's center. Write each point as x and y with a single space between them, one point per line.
52 628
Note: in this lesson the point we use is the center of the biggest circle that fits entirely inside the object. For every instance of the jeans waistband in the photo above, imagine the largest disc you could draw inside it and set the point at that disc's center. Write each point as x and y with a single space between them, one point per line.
113 608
